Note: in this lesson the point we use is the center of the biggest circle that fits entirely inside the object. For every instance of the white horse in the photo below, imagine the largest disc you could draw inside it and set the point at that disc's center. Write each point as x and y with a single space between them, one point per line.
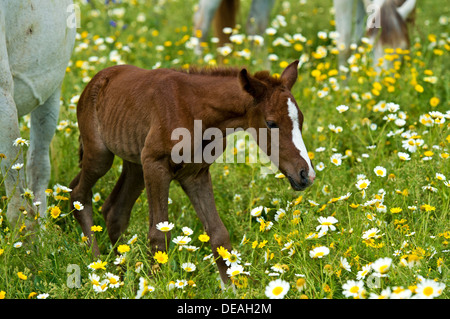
385 26
36 42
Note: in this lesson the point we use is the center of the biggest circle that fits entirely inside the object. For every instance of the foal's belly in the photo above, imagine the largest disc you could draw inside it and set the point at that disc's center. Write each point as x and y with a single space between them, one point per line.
123 139
127 152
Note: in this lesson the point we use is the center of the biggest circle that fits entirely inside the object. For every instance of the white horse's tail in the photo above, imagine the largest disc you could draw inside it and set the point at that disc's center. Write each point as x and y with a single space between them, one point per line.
406 9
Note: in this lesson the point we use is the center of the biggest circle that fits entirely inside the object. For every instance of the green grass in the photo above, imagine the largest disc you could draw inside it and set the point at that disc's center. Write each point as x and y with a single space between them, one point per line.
417 241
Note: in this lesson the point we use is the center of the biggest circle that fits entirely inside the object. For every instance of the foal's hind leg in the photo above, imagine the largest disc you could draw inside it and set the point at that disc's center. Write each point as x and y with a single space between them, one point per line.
117 207
96 162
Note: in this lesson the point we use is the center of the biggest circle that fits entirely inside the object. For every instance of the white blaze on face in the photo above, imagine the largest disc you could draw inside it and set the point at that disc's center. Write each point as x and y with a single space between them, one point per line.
297 138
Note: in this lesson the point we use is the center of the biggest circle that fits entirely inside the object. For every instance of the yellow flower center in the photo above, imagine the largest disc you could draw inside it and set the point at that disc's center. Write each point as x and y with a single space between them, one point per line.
398 290
301 282
428 291
354 289
384 269
277 290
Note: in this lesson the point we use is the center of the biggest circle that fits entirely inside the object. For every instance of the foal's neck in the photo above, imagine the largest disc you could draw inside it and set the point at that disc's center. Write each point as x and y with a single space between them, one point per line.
225 104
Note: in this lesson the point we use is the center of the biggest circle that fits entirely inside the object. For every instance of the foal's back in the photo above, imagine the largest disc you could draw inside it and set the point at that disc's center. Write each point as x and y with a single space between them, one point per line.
123 106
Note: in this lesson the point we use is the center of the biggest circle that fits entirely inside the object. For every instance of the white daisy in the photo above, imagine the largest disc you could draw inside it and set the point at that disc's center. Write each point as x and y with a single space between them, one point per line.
380 171
428 289
78 206
353 288
342 108
189 267
381 266
319 252
164 226
277 289
345 264
326 223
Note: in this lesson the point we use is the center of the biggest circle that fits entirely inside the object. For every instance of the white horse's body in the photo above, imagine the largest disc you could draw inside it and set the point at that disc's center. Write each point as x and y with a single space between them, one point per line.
36 42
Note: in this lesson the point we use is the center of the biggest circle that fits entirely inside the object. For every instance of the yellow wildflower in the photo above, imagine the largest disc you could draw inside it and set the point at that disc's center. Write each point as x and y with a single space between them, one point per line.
223 252
203 238
55 211
96 228
21 275
161 257
123 249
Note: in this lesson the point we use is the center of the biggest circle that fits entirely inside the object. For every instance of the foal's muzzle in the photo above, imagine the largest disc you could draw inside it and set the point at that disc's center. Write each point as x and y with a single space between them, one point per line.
303 181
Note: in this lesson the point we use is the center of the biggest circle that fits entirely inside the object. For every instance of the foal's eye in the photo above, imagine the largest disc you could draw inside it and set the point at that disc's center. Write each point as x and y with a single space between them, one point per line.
271 124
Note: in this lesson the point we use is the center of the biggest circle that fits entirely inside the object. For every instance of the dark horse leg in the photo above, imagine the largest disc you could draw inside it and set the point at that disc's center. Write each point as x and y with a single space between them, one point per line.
117 207
95 163
200 192
157 177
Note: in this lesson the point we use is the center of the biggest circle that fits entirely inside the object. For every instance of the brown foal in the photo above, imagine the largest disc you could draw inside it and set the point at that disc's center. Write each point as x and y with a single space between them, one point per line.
132 112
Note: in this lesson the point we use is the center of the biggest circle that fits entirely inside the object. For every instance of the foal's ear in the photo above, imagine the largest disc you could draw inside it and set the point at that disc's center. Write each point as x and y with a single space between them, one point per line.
251 85
289 75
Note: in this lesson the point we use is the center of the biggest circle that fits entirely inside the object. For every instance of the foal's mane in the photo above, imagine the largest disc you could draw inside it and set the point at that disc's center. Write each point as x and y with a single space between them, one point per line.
231 72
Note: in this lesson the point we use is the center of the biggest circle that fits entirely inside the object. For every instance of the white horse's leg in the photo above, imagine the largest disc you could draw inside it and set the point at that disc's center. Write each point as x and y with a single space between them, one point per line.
9 131
43 124
203 18
259 15
343 17
360 24
378 53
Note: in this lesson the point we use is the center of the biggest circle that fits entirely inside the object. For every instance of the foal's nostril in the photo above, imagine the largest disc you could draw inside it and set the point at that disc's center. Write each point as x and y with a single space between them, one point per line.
304 177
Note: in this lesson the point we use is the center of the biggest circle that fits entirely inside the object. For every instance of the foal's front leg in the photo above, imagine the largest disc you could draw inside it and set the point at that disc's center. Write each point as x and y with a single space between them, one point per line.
200 192
157 178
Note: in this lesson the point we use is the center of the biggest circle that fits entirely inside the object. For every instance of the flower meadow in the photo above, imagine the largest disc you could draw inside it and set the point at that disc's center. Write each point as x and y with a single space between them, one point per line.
375 224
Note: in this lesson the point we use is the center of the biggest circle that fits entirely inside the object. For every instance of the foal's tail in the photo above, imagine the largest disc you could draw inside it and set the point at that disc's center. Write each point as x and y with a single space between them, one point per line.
225 17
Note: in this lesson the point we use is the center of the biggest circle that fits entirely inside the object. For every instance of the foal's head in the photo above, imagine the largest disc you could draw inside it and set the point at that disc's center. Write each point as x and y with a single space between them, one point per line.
275 108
